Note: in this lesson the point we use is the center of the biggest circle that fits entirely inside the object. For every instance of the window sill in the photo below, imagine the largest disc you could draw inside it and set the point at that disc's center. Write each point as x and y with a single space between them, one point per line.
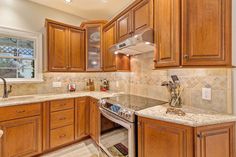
22 81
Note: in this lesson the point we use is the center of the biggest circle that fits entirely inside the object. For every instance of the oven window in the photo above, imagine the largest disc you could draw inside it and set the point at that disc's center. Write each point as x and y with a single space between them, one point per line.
114 138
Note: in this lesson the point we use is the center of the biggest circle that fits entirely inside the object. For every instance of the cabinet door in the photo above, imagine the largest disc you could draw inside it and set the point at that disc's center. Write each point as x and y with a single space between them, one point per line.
215 141
57 47
94 120
82 118
94 47
124 27
21 137
143 16
167 33
206 32
77 50
161 139
109 58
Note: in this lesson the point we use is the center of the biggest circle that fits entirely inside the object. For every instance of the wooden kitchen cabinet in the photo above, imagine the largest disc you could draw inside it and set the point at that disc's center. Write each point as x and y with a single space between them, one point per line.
93 44
94 120
162 139
66 52
57 47
167 33
111 61
215 141
124 26
22 137
61 122
81 118
142 16
206 32
76 50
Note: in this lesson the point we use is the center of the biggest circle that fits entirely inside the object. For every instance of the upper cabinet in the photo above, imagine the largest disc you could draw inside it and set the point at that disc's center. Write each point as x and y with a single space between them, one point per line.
93 44
167 33
57 47
124 27
142 16
65 47
206 32
111 61
77 50
138 17
109 36
197 35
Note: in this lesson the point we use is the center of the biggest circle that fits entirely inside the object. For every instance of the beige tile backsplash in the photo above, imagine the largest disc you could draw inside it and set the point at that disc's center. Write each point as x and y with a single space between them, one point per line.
145 81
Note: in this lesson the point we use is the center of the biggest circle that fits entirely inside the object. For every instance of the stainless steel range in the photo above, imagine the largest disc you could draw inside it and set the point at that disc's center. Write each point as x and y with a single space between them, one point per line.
117 137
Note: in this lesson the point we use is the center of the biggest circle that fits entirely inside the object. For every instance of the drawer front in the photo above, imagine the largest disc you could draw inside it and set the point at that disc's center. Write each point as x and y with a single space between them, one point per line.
59 105
61 136
62 118
21 111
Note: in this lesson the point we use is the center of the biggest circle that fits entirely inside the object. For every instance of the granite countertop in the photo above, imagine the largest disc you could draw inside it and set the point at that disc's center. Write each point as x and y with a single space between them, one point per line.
194 117
19 100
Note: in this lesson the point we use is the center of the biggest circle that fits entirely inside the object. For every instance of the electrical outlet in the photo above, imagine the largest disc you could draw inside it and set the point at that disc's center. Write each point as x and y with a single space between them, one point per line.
206 94
56 84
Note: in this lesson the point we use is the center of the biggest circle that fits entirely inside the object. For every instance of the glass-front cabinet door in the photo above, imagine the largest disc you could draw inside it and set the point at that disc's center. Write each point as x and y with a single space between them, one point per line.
94 56
93 44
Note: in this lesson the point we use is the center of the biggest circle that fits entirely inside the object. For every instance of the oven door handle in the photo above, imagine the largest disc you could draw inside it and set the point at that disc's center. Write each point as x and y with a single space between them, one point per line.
116 119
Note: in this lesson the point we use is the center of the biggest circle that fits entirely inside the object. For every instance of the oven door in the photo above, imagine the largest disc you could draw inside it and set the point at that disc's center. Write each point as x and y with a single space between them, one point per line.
117 135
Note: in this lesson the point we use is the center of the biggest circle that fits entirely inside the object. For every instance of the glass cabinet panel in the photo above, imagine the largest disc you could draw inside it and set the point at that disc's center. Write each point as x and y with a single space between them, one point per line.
94 62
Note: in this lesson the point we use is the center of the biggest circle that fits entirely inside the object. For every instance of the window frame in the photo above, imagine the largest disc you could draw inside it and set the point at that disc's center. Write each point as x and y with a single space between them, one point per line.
38 42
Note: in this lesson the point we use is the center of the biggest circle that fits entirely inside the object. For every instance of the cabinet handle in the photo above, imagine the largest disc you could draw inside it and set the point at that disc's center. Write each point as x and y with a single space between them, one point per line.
21 111
62 136
199 136
63 118
62 105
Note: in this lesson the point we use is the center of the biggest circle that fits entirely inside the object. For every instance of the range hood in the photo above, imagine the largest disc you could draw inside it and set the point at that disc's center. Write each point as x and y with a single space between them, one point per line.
137 44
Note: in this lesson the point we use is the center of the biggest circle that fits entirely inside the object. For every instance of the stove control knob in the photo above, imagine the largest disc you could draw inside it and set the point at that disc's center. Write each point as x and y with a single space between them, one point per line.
127 114
102 102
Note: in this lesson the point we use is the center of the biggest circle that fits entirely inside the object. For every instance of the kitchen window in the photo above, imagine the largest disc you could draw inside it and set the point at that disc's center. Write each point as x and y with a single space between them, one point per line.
20 55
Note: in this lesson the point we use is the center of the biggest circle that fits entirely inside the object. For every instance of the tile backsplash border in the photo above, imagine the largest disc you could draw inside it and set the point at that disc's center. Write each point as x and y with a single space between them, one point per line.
144 81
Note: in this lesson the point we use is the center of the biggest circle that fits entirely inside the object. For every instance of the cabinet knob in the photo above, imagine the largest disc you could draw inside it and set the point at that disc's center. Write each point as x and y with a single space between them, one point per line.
186 57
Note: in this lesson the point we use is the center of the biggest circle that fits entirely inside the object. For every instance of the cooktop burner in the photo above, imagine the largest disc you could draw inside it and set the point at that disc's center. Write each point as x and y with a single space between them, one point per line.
133 102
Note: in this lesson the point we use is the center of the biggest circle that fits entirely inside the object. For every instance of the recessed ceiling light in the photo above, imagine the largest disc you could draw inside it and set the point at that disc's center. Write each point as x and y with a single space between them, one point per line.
68 1
104 1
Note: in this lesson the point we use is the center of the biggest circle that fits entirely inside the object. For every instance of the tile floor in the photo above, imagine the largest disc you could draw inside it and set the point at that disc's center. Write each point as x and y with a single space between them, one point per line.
83 149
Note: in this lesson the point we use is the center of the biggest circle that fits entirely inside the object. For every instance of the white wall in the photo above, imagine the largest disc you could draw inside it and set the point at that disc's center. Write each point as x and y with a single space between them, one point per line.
26 15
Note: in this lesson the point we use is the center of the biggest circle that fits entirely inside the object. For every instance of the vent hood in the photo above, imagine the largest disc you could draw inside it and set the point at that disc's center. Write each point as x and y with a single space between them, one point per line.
137 44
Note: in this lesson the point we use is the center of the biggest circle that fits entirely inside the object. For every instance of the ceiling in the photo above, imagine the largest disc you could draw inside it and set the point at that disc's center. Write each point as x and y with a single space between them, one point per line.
88 9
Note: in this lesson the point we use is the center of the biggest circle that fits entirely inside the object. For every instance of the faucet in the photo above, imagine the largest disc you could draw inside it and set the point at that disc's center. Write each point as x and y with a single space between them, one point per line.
6 92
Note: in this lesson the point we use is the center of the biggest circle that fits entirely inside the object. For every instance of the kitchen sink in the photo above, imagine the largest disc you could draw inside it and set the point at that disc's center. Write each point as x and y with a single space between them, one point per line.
18 98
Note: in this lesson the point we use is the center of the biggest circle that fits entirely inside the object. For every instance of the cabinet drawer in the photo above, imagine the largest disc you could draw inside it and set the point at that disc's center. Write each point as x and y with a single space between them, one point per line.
61 104
21 111
61 136
62 118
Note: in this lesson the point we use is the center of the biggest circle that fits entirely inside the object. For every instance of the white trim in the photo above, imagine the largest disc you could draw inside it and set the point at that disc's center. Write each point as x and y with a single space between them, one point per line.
38 39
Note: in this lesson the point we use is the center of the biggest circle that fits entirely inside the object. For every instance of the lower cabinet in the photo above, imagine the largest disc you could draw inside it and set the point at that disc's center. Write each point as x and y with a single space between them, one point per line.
61 136
94 120
62 123
215 141
163 139
22 137
82 117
